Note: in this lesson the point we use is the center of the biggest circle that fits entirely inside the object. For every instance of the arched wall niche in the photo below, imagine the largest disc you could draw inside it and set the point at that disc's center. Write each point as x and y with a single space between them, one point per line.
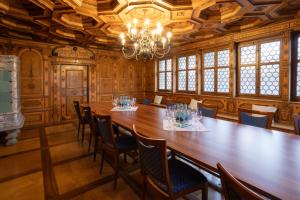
34 83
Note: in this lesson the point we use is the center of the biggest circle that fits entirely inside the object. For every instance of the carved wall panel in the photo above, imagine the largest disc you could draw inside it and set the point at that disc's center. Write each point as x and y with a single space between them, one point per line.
118 76
33 86
31 73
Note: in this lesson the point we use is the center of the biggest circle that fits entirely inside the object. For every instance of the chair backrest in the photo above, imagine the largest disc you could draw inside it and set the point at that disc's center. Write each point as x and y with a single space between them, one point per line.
146 101
194 104
208 111
255 118
77 110
87 116
233 189
157 99
104 126
153 160
297 124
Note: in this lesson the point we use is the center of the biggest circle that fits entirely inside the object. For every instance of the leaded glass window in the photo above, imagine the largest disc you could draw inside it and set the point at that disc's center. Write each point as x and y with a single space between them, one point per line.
298 69
187 76
259 68
216 71
165 75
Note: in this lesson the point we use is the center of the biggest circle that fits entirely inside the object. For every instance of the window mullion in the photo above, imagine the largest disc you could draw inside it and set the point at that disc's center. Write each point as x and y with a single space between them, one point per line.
257 69
166 75
216 71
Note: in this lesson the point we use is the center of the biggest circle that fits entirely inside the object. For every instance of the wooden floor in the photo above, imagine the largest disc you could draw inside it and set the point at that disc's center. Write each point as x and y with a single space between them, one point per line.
50 163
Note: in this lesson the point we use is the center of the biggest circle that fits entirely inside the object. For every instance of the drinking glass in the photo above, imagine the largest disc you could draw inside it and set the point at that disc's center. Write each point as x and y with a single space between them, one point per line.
199 115
194 115
115 102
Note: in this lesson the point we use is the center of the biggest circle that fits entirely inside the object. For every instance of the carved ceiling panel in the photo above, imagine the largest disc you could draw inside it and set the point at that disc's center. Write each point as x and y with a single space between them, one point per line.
99 22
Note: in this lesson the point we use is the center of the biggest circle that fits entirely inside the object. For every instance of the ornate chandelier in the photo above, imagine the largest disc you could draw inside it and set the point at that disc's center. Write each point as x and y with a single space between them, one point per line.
145 43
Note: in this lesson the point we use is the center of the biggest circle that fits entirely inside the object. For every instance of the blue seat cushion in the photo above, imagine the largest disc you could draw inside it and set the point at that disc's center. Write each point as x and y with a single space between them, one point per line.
146 101
184 176
126 142
208 112
254 120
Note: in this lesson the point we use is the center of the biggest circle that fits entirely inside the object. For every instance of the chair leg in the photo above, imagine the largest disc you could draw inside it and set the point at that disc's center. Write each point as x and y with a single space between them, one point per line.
102 161
116 166
95 148
90 142
78 130
82 137
205 192
144 189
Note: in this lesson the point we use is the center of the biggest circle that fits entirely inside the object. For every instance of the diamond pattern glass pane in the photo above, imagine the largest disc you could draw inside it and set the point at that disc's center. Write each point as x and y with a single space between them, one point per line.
269 79
298 79
270 52
298 48
192 80
248 55
169 65
247 80
209 80
182 63
209 59
182 80
192 62
223 80
169 80
162 65
223 58
162 81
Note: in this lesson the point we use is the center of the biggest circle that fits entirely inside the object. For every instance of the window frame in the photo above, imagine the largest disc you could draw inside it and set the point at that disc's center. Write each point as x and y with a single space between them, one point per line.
186 91
294 65
258 67
216 67
165 72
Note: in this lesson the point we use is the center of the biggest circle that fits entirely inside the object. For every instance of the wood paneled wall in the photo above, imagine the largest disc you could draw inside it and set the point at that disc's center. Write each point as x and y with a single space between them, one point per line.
228 105
47 78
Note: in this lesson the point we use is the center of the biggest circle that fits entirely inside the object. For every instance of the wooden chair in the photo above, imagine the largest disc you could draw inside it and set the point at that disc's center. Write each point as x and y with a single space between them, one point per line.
232 189
255 118
297 124
170 177
207 111
81 120
111 145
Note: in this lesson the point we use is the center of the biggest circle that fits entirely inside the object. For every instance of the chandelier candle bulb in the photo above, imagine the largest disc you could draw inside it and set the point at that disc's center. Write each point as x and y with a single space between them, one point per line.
169 35
129 26
135 21
163 40
123 42
147 22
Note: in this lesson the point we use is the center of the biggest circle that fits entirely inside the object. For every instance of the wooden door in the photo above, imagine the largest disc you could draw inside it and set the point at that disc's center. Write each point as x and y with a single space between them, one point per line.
74 87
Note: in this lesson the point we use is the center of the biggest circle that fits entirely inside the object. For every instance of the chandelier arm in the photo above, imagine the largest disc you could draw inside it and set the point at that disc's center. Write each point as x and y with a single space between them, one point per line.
161 53
128 55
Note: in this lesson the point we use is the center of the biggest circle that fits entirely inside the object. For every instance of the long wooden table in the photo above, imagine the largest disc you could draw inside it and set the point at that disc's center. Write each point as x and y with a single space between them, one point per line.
268 161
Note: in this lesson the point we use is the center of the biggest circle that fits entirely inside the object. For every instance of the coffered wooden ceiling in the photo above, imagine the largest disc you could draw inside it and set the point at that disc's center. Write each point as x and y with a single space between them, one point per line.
99 22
